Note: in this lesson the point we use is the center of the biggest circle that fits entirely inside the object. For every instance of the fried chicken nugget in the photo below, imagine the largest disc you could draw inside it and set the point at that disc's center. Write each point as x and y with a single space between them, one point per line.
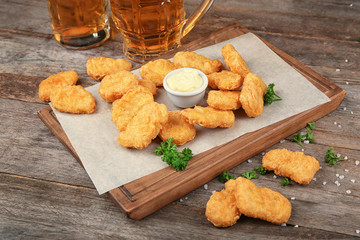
115 85
221 209
125 108
144 126
296 165
197 61
55 81
73 99
262 203
252 95
224 100
149 85
156 71
98 67
209 117
234 61
225 80
177 128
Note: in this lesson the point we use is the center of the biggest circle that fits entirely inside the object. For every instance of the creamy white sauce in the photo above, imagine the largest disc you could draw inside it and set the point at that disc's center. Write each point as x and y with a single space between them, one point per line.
187 80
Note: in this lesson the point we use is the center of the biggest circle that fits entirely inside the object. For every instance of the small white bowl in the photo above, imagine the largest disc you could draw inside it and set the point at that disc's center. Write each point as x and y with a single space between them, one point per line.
186 99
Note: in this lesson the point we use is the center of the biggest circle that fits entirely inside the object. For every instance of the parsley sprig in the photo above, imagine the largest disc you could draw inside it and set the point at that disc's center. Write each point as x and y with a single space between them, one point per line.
270 95
308 135
224 177
261 170
298 138
249 175
169 154
285 181
331 158
310 126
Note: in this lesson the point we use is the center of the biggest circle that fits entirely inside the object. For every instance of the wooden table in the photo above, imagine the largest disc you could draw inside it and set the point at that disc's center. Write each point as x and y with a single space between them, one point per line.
45 193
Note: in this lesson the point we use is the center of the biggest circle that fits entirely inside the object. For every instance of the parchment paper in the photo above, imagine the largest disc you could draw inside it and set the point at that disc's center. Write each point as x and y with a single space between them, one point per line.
109 165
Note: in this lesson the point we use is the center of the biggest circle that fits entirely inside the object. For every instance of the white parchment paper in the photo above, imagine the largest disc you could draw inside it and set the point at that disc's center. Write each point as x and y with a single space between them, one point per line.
109 165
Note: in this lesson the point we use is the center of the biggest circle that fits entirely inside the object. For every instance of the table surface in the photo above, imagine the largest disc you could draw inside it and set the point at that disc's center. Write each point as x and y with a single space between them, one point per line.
45 193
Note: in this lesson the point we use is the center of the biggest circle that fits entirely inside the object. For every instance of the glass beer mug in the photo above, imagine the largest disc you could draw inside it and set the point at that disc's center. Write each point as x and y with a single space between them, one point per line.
153 27
79 24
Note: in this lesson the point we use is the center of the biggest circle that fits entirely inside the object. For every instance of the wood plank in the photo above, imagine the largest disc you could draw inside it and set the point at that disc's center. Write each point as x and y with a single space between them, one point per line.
45 57
308 26
317 52
142 197
28 148
326 210
327 173
309 18
28 73
52 162
306 204
35 209
34 19
330 8
28 210
343 134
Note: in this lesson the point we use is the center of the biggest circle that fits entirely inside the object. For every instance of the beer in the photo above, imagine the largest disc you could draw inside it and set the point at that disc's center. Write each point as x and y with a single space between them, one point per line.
79 23
149 27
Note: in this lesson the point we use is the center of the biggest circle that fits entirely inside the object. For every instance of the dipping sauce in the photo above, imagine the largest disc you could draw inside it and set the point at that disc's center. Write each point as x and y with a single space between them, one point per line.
187 80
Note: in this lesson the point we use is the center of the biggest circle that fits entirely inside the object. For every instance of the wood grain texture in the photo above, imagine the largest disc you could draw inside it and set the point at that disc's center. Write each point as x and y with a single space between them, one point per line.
28 148
325 19
32 72
45 194
144 196
58 211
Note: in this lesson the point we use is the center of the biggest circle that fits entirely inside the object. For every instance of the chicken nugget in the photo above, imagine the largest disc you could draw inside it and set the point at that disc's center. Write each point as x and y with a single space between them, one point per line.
211 82
234 61
209 117
125 108
115 85
177 128
56 81
144 126
296 165
221 209
197 61
224 100
98 67
252 95
73 99
230 186
225 80
262 203
149 85
156 71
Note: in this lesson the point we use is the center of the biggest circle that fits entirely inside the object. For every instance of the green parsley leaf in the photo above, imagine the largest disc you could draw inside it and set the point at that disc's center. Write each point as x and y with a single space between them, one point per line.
187 153
285 181
224 177
310 136
169 154
158 151
359 39
270 95
311 125
249 175
298 138
331 158
261 170
165 146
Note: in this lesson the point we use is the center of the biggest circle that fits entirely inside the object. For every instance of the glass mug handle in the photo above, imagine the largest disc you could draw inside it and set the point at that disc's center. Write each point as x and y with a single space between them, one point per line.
195 17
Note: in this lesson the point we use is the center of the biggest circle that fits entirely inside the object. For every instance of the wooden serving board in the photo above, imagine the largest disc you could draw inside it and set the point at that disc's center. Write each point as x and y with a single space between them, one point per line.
148 194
